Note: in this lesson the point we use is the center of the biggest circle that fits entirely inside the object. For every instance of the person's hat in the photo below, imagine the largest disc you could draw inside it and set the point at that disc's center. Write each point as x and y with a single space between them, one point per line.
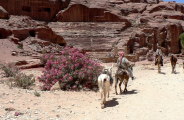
121 53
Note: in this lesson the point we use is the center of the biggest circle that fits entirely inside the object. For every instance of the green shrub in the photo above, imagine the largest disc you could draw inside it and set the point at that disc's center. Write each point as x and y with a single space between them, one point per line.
19 47
9 69
182 39
23 80
37 93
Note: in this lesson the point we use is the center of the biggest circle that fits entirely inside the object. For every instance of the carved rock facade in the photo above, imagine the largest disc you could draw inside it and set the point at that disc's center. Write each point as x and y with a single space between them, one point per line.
37 9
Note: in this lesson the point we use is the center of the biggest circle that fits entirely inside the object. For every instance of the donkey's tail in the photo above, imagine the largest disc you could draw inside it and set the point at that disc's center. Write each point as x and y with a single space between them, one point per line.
172 58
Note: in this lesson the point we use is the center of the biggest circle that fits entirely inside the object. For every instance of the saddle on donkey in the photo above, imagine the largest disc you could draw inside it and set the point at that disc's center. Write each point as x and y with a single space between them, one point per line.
157 57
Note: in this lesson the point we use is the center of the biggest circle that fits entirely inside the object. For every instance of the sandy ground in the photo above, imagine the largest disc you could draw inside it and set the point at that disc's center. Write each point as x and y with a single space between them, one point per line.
151 96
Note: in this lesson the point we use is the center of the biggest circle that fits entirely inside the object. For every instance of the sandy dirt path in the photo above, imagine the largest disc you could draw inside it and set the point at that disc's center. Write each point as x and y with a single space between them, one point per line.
151 96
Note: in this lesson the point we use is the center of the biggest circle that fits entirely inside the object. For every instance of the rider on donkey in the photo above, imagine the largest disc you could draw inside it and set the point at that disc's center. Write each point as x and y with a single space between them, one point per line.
123 63
159 52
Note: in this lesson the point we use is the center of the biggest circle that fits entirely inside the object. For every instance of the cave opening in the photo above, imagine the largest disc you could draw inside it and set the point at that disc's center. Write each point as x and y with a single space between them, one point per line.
26 8
62 44
1 36
46 9
32 33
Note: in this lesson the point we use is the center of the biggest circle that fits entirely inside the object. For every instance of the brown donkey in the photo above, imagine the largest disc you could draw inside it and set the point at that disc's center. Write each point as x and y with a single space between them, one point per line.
122 75
158 61
173 60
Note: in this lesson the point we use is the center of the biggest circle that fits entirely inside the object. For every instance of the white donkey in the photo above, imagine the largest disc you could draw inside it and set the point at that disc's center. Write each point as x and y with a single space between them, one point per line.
104 84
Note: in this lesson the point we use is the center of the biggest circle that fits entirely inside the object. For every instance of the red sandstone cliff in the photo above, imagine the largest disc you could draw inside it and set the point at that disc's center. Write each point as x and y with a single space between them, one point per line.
135 26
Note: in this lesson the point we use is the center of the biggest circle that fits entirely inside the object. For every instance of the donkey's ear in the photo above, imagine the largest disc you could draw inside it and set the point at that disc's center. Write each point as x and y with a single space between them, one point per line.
133 65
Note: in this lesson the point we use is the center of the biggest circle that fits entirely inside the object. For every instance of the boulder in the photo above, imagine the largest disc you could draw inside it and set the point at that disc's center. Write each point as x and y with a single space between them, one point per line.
14 53
14 39
4 33
56 86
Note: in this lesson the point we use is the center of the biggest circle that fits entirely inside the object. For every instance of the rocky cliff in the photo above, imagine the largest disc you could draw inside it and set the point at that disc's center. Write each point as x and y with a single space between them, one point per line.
44 10
134 26
139 26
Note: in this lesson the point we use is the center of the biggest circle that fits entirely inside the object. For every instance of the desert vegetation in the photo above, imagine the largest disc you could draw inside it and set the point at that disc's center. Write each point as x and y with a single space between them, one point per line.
182 39
74 70
16 78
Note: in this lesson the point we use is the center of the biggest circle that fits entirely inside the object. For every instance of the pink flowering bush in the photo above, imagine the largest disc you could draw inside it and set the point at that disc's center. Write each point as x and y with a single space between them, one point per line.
46 57
73 69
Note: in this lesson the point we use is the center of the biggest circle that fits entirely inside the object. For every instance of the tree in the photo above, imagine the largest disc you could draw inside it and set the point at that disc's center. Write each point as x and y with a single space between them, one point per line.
182 40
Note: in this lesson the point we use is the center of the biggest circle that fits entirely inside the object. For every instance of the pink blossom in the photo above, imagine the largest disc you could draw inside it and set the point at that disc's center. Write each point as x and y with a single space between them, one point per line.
46 57
76 82
48 76
65 76
74 87
72 67
16 113
77 64
86 53
63 80
70 78
51 56
63 52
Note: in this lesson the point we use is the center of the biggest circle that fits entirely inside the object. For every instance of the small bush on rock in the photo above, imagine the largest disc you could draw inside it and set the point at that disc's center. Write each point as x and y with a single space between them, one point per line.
73 70
9 69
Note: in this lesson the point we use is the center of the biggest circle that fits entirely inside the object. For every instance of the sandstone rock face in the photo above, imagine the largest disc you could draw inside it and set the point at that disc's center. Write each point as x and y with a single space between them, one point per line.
92 37
23 27
173 32
82 13
134 26
36 9
153 22
3 13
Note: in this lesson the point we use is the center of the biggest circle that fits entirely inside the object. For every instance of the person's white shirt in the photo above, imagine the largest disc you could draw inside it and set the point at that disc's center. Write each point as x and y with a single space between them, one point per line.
158 52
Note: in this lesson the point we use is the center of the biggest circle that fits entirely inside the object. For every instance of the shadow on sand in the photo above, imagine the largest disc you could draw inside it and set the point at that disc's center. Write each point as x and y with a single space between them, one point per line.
129 92
162 73
111 103
176 73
